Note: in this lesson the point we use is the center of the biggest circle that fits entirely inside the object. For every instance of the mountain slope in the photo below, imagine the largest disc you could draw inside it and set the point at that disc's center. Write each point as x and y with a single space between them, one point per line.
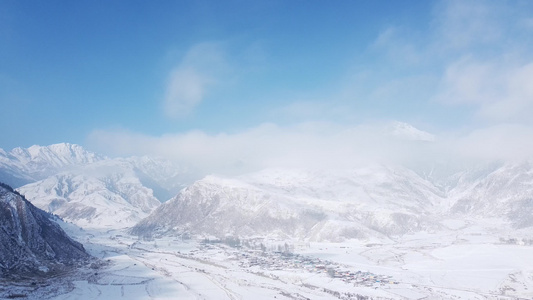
103 194
90 189
505 192
213 207
335 205
31 244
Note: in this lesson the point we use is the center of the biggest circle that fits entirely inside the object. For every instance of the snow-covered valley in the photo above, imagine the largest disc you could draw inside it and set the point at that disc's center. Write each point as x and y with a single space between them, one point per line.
468 261
374 232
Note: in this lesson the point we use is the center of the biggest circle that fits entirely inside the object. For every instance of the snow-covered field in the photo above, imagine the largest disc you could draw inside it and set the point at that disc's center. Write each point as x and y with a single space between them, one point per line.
470 261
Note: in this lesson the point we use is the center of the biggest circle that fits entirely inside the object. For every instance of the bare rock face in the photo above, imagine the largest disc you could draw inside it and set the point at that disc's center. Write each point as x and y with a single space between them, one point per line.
30 243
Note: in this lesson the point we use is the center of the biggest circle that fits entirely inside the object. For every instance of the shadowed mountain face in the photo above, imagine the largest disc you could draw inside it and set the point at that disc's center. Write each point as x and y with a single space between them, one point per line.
30 243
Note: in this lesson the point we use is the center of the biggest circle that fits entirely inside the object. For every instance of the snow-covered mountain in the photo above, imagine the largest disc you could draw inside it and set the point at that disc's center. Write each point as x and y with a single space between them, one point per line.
107 193
506 192
30 243
90 189
376 201
315 205
25 165
408 132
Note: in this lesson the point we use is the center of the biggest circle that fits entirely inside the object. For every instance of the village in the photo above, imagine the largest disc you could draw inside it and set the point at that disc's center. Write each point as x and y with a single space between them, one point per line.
282 259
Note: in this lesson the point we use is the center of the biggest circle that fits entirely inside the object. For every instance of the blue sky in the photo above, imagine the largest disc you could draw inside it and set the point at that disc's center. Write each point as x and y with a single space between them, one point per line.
126 72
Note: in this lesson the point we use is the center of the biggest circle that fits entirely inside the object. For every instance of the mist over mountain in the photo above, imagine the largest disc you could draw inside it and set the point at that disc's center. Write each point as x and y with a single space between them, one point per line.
506 192
269 149
307 205
373 200
391 215
377 201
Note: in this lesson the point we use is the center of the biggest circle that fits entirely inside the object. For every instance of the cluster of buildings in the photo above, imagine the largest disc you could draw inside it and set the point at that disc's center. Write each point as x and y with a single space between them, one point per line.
279 261
361 278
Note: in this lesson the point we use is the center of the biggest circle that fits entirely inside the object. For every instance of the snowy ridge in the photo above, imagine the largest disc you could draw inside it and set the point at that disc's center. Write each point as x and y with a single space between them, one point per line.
22 165
90 189
506 192
103 194
334 205
315 205
374 201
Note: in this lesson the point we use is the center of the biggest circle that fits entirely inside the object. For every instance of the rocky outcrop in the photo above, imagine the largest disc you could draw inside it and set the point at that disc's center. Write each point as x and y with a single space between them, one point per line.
31 244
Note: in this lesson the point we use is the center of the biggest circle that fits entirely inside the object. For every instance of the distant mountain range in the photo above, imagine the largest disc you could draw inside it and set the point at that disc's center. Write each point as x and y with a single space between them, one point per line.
378 201
24 165
90 189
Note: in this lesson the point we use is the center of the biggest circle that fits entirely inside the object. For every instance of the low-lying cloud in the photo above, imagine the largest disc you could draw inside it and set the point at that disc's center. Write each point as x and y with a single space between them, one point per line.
502 91
472 57
319 145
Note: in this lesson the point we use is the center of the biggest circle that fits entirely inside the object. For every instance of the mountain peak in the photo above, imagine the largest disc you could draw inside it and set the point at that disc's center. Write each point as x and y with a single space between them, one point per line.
24 165
408 132
56 155
61 149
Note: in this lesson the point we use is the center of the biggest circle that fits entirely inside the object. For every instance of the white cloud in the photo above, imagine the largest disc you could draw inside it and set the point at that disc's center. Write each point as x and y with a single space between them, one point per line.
505 142
398 46
475 54
186 89
262 146
501 90
470 53
469 82
493 68
320 145
201 69
463 24
517 101
306 145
